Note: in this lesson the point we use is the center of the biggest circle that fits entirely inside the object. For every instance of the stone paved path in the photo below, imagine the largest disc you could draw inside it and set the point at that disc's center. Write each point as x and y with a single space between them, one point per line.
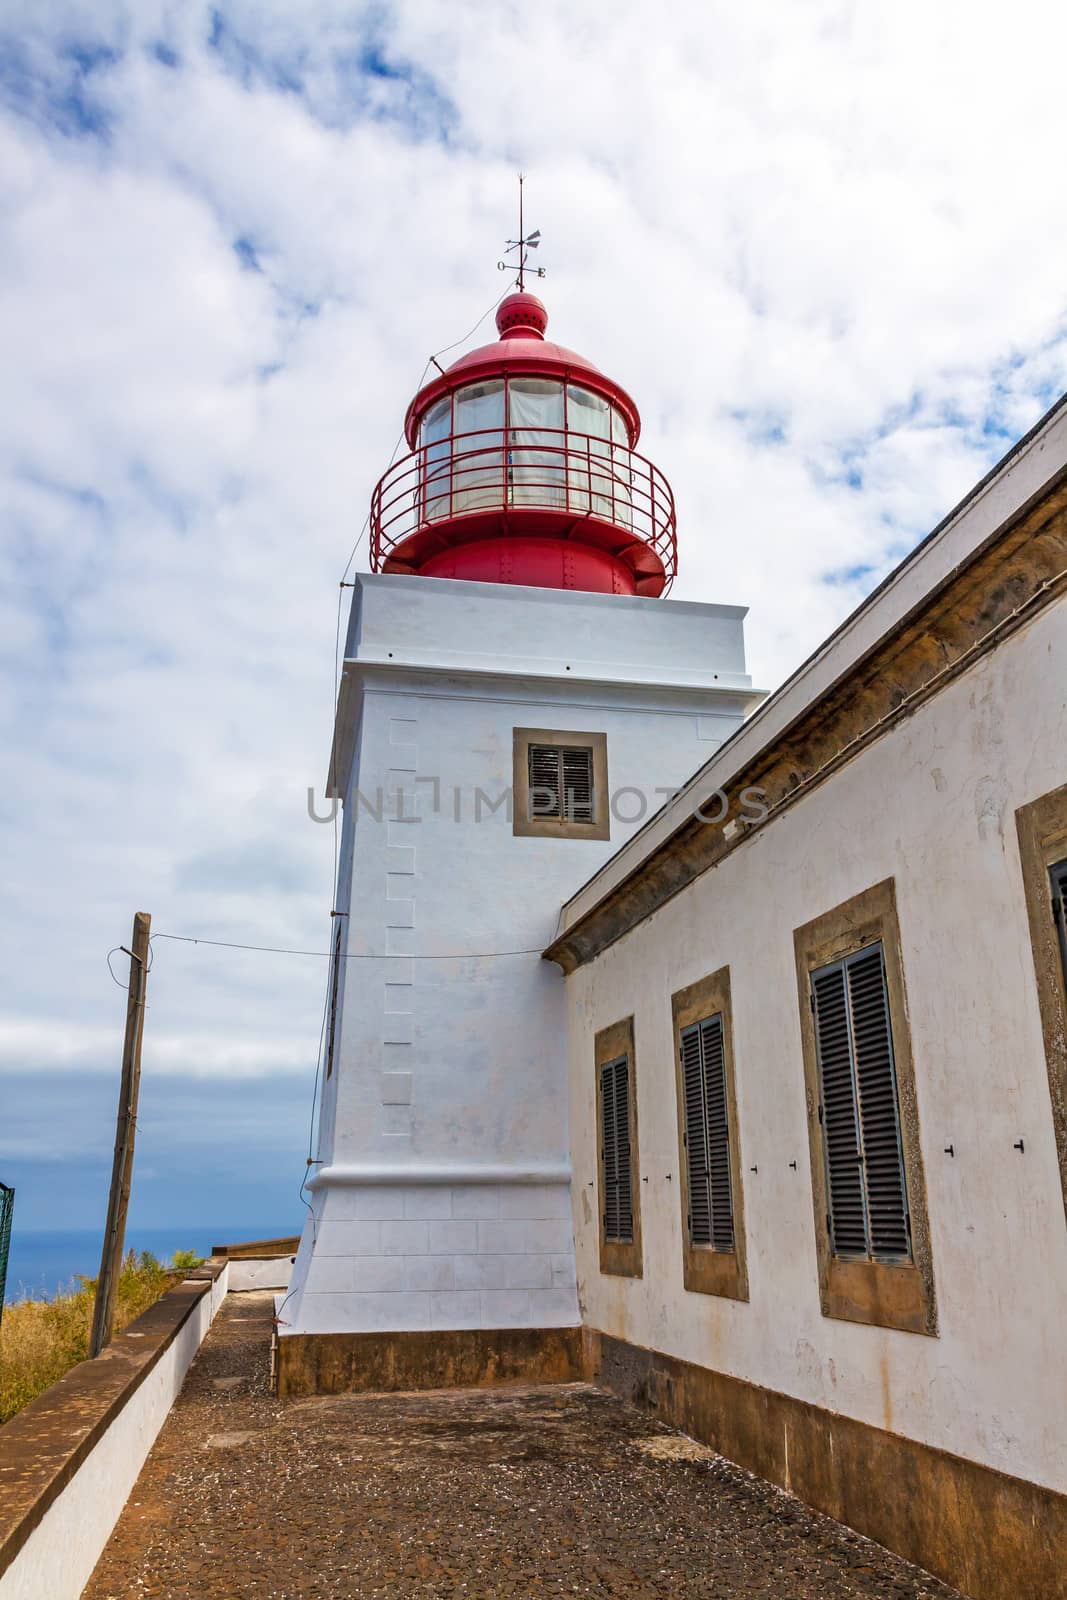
485 1494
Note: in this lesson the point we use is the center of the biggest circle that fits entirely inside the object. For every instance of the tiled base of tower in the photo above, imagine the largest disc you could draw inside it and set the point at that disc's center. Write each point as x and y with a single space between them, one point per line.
458 1255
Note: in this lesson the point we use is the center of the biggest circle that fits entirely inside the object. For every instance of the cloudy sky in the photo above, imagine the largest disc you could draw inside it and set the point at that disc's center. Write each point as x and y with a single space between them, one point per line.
822 243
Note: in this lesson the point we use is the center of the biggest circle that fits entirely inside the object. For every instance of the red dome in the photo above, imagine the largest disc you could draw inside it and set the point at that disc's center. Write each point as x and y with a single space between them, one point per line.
521 320
523 470
521 313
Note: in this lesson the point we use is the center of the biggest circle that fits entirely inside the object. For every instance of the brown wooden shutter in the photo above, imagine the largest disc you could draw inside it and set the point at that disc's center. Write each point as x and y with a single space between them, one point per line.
859 1110
1058 877
707 1134
615 1121
546 781
696 1138
577 783
561 782
713 1051
883 1158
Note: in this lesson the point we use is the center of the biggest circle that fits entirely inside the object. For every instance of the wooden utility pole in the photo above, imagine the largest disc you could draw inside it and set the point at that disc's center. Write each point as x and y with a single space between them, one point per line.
122 1166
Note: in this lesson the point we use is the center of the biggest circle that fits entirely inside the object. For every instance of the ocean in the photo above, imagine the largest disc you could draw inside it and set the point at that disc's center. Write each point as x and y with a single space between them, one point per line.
45 1262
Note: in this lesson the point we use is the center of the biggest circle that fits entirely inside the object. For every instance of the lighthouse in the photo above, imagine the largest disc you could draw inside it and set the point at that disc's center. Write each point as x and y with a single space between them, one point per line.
517 698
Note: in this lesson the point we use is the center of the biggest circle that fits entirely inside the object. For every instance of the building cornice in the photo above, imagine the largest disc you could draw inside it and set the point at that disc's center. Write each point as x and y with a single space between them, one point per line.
726 692
1010 574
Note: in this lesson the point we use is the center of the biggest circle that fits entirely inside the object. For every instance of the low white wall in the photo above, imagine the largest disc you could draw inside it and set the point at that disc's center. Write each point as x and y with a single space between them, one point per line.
58 1558
269 1273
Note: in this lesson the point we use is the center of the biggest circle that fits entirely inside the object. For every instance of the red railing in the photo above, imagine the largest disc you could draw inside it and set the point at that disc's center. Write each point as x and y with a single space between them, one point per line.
497 470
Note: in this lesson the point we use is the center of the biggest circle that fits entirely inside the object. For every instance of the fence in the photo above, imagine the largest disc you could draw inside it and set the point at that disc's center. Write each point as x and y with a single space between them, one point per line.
7 1206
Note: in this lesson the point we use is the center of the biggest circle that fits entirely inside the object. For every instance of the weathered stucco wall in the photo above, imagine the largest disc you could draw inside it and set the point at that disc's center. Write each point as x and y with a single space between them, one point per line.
932 806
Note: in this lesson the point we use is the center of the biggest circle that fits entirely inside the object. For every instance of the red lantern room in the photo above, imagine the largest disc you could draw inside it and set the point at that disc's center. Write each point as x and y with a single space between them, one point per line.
523 470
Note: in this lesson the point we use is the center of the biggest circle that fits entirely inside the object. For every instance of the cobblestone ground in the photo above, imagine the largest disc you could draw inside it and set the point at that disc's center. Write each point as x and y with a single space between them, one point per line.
478 1493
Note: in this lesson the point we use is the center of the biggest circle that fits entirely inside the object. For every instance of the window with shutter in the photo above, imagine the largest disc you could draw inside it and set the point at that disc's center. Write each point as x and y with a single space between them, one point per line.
711 1193
707 1134
618 1178
615 1154
859 1110
1042 830
872 1235
1058 877
561 782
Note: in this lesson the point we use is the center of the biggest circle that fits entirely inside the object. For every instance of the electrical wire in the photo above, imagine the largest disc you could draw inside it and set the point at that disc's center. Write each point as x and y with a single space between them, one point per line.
113 951
115 948
326 955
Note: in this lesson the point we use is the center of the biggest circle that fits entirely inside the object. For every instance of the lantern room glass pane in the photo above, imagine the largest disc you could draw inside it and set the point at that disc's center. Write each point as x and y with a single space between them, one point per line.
536 475
622 470
597 473
436 460
478 446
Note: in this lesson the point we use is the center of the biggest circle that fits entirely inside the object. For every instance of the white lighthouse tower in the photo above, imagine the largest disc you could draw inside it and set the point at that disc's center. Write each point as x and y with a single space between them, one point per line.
517 697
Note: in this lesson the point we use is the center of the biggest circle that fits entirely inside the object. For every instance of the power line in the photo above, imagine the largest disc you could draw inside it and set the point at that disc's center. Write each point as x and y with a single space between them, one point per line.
327 955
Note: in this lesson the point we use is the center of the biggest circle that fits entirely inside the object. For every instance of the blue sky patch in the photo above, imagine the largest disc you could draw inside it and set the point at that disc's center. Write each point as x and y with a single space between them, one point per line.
250 65
66 95
763 427
846 577
246 253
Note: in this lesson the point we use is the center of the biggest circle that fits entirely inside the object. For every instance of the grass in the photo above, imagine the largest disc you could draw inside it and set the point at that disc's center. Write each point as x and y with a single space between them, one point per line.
40 1340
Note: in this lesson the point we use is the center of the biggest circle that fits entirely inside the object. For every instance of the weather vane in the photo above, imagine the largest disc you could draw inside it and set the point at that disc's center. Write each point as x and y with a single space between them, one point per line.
523 244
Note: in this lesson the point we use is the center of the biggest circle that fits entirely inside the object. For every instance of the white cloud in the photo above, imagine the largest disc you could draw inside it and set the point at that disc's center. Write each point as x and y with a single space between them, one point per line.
28 1043
820 244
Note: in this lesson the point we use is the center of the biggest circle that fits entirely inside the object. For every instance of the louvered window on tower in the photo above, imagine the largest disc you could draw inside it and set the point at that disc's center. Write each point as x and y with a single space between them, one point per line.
561 782
1058 877
707 1135
615 1155
859 1110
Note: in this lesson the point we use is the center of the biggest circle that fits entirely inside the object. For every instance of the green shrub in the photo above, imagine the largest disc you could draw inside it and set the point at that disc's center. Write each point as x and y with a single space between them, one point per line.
186 1260
40 1340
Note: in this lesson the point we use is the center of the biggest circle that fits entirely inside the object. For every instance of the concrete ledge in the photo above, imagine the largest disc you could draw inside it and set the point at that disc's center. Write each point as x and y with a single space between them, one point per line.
69 1460
354 1363
258 1249
993 1536
259 1263
360 1173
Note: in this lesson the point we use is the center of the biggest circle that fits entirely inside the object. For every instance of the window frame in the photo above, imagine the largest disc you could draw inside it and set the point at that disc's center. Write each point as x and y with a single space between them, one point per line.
618 1258
1042 831
886 1294
706 1270
531 827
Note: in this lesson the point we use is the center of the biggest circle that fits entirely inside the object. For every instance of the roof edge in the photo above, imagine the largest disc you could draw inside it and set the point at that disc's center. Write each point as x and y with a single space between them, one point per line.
795 701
